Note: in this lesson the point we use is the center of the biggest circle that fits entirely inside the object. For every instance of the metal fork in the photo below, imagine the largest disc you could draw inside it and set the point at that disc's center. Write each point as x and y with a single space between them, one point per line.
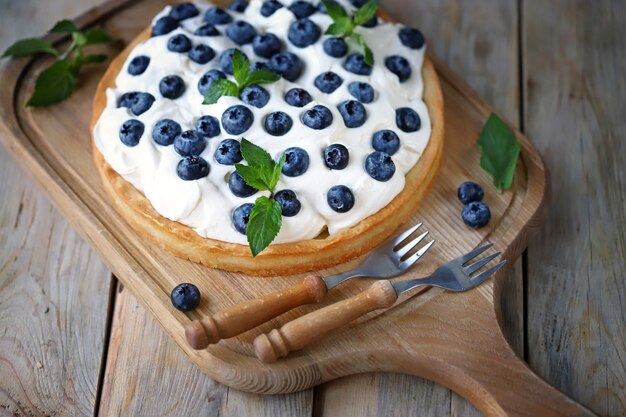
298 333
386 261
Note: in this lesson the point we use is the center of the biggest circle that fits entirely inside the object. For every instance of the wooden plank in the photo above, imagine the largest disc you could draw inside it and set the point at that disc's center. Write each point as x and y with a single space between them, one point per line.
485 53
147 375
575 65
54 293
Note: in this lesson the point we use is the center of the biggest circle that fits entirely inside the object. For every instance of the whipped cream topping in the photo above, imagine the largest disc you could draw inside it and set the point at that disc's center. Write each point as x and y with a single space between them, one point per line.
206 204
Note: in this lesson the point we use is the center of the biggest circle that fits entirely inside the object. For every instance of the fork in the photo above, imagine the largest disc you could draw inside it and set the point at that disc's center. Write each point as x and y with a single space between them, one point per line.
311 327
384 262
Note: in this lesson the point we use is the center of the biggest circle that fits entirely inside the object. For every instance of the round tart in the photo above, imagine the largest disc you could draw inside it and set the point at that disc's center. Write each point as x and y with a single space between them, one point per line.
372 137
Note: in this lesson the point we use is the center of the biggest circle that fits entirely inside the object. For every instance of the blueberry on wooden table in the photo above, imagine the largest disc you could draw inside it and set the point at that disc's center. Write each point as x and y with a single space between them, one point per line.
335 47
289 203
138 65
228 152
476 214
327 82
189 143
340 198
165 131
470 191
355 63
303 32
386 141
317 117
336 156
239 187
353 113
130 132
217 16
380 166
237 119
408 120
269 7
296 162
241 216
192 168
286 64
185 297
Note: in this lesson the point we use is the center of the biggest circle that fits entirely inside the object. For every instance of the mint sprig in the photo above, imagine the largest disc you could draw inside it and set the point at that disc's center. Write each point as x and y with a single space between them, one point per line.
262 173
499 151
56 83
243 78
343 25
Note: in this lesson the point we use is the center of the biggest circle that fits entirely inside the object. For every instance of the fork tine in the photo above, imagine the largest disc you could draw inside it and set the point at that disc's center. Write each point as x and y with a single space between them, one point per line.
479 264
488 273
406 234
407 248
471 255
406 264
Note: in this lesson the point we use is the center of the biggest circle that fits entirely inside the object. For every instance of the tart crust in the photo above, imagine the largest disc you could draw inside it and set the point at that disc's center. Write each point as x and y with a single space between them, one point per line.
276 259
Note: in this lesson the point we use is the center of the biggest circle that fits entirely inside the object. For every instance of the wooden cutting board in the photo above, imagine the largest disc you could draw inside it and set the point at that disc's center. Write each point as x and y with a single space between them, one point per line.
453 339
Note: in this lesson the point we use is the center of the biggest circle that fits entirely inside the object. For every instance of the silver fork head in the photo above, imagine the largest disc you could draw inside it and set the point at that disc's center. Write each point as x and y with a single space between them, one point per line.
457 275
387 261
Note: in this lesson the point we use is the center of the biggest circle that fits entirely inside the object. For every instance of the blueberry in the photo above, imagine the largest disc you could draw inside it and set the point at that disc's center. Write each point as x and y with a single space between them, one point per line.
286 64
241 216
373 22
185 297
327 82
298 97
238 6
130 132
164 25
386 141
269 7
228 152
254 95
138 65
399 66
289 203
361 91
226 60
207 30
205 82
240 32
266 44
303 32
301 9
237 119
353 113
217 16
278 123
201 54
127 99
407 119
142 103
470 191
380 166
192 168
172 87
296 162
165 131
355 63
317 117
476 214
336 156
411 38
238 186
179 43
184 10
340 198
208 126
335 47
189 143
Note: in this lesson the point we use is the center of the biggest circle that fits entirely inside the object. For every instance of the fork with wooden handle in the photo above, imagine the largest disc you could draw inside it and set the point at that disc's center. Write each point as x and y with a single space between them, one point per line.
311 327
386 261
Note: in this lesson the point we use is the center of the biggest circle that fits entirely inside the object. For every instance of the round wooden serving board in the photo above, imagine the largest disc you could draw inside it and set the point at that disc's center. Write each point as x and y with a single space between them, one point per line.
453 339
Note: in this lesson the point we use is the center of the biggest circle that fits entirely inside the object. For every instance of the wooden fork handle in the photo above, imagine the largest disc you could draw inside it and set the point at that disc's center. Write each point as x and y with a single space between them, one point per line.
304 330
244 316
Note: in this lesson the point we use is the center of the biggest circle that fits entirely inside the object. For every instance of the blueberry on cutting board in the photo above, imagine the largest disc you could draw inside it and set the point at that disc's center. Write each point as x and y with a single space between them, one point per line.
185 297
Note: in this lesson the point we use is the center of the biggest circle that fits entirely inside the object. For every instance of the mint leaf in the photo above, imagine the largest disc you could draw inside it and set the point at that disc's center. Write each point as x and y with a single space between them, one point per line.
241 67
64 26
53 85
96 36
368 55
278 169
340 27
93 59
219 88
29 47
365 13
253 176
264 224
499 151
334 9
262 77
255 155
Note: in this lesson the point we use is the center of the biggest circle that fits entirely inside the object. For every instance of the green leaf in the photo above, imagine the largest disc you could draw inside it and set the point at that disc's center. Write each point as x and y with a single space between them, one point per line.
79 38
93 59
365 13
340 28
219 88
278 169
499 151
64 26
368 55
254 176
255 155
334 9
262 77
29 47
264 224
241 67
53 85
96 36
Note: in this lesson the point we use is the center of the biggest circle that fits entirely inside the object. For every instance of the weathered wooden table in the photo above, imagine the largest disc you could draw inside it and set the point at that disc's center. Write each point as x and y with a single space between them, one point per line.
73 342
